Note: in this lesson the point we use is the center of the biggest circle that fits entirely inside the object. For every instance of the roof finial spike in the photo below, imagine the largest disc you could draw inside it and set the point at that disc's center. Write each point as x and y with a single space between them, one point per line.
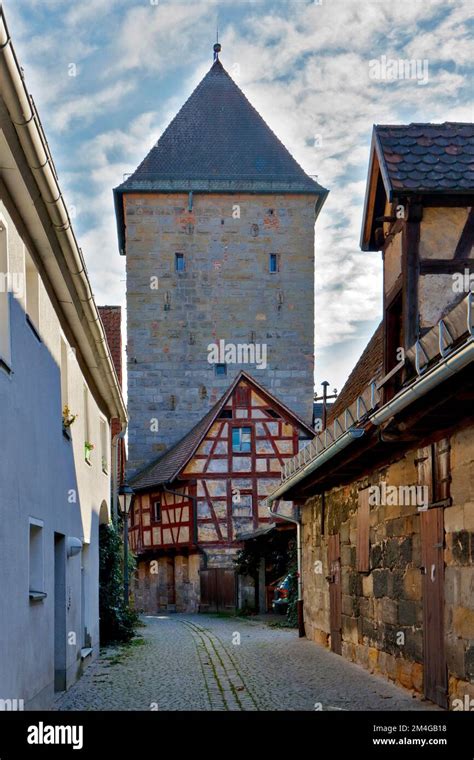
217 47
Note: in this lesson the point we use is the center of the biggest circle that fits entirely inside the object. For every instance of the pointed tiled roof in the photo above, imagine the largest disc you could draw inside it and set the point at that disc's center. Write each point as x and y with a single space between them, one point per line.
218 141
168 466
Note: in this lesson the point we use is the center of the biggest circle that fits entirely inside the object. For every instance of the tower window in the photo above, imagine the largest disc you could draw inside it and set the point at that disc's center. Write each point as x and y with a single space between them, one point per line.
220 370
179 262
273 263
241 439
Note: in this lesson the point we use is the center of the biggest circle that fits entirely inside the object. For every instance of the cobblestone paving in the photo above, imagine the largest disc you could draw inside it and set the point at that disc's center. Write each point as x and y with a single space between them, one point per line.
206 662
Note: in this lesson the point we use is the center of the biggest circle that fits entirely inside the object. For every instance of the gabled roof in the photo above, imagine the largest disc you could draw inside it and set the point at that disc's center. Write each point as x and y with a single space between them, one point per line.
168 466
367 368
218 142
417 159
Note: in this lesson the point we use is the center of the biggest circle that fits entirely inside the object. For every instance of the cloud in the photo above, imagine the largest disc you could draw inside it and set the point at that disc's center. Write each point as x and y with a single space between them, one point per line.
304 66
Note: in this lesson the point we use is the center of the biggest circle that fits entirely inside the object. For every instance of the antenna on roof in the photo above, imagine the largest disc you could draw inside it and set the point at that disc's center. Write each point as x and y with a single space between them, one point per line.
217 47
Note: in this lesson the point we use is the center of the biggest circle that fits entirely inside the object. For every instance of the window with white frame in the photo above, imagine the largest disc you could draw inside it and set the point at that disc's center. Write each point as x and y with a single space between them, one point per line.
5 337
36 557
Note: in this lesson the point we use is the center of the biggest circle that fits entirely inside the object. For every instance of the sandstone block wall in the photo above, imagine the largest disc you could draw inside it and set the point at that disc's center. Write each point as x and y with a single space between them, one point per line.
380 605
225 293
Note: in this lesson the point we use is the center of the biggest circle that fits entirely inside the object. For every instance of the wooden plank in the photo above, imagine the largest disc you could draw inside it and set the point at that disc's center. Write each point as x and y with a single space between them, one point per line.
442 475
434 655
335 597
466 240
363 542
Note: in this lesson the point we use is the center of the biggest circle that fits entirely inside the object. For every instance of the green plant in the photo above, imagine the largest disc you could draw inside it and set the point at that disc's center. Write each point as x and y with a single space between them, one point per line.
117 621
292 610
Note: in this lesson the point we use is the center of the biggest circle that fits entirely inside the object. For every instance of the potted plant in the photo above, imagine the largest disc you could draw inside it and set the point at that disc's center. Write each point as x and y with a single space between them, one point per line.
68 420
88 447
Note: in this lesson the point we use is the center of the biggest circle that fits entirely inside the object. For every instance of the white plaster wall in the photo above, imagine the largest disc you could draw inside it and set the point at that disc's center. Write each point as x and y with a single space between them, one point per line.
43 475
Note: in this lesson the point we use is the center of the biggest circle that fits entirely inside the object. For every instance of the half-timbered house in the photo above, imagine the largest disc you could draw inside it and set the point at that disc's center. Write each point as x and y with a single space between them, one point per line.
195 503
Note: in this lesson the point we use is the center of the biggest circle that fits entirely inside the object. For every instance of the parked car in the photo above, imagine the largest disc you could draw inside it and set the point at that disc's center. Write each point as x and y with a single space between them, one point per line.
280 599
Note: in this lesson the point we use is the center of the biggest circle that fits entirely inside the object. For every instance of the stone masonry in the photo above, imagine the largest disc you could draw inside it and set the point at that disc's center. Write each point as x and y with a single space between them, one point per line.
382 610
225 293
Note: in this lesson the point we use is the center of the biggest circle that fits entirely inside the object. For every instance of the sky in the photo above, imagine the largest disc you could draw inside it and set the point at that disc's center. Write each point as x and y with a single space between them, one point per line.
107 77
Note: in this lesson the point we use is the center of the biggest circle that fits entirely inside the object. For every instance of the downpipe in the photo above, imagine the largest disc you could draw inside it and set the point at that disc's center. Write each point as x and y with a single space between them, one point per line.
299 562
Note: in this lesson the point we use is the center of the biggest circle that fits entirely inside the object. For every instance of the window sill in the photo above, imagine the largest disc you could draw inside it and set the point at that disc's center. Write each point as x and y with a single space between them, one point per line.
5 367
37 596
33 329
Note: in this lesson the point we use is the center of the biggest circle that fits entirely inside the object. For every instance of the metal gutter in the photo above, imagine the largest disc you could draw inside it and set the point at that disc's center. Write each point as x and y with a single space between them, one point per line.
339 445
449 366
38 158
457 360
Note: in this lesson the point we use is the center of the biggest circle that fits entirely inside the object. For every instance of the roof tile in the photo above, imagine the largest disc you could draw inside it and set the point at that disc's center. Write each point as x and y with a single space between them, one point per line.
428 157
219 136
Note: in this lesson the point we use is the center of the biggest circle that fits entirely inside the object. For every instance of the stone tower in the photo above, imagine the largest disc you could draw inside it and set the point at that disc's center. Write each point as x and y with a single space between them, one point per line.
217 224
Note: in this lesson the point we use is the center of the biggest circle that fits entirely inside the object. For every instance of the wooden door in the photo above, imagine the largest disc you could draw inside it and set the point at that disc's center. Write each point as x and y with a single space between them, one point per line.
434 655
335 598
217 590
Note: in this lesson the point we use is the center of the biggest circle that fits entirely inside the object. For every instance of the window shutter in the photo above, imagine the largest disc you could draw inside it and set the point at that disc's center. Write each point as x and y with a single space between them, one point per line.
424 462
442 475
242 396
363 544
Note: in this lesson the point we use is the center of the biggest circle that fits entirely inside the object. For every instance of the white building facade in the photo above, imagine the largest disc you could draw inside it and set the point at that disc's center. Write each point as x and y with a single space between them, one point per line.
54 489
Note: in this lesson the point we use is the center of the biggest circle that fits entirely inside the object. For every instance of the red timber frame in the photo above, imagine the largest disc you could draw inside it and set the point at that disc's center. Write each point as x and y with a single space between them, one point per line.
229 487
174 529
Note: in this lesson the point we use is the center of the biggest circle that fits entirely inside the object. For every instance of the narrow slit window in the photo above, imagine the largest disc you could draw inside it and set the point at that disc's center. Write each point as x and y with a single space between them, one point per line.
5 344
32 292
104 447
156 510
220 370
36 557
179 262
273 263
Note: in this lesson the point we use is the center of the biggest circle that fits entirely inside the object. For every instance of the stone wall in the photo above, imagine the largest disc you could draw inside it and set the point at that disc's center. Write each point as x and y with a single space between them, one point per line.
225 293
382 610
150 585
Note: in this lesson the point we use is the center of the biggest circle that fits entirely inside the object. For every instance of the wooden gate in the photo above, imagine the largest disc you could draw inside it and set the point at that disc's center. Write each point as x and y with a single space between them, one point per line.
434 654
335 598
217 590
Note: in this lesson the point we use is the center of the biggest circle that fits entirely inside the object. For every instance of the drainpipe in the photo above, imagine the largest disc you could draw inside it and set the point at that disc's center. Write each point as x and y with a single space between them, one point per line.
115 473
299 557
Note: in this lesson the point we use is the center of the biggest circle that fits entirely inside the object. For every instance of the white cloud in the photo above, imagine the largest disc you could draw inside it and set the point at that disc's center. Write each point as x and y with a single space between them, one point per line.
305 67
